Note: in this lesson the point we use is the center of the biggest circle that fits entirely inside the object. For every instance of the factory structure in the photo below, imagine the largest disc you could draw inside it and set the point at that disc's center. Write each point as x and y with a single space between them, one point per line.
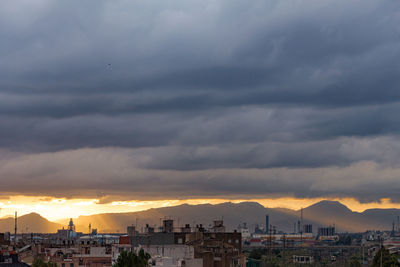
302 234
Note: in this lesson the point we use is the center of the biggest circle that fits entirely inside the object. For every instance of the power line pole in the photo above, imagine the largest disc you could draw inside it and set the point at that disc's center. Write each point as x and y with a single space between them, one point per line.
284 247
381 239
15 229
270 243
362 254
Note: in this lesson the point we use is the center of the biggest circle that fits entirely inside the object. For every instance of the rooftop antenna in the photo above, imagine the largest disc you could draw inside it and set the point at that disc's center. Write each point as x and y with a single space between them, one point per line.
15 229
90 232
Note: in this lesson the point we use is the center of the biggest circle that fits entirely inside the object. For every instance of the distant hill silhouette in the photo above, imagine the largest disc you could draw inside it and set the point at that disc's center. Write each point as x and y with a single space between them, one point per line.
323 213
29 223
232 214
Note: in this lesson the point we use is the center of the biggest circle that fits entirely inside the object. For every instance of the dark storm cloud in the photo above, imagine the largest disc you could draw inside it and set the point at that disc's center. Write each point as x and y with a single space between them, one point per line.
228 127
99 47
203 97
47 173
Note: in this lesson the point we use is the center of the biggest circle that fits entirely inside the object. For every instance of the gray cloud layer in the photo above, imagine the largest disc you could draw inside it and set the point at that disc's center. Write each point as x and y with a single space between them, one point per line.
200 98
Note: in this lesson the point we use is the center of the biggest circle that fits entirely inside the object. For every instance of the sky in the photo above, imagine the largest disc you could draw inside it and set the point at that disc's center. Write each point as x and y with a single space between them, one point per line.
163 102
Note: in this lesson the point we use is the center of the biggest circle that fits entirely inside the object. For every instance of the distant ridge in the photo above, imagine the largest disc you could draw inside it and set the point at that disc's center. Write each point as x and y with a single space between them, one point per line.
332 205
29 223
323 213
319 214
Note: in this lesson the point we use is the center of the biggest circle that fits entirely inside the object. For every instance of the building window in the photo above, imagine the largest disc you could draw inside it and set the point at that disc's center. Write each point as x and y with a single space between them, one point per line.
71 265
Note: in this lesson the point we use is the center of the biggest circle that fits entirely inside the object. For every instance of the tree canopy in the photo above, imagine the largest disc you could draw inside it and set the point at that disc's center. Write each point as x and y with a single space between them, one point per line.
40 263
388 260
131 259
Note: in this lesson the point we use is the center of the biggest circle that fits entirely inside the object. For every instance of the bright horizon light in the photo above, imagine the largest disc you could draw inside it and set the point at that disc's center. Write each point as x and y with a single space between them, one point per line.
58 209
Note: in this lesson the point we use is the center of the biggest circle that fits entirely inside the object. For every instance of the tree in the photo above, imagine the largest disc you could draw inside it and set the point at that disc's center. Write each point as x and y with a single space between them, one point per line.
40 263
388 260
130 259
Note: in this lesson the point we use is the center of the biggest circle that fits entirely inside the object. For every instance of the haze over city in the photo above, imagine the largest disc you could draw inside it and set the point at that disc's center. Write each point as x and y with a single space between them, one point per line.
120 106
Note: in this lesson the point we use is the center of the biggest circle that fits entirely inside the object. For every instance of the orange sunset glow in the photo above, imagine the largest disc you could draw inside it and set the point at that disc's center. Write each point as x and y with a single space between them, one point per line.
59 208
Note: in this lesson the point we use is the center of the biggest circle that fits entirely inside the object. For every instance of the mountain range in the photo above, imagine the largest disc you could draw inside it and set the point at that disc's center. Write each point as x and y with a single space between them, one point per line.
323 213
29 223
